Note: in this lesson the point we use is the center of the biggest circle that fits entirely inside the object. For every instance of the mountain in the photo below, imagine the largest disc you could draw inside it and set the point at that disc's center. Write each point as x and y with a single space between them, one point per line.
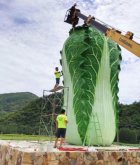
27 120
12 102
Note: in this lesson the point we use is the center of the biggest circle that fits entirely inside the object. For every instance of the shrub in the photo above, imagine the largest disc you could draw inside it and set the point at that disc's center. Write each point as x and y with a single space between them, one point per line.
127 135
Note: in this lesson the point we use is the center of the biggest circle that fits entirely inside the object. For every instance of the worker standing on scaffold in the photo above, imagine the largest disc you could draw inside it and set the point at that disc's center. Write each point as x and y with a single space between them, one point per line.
57 77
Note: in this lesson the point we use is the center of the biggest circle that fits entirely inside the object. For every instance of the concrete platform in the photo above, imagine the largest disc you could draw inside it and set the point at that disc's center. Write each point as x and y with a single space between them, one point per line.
43 153
47 146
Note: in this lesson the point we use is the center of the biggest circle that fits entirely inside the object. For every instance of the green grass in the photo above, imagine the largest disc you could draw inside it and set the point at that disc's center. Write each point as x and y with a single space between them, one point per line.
127 144
45 138
23 137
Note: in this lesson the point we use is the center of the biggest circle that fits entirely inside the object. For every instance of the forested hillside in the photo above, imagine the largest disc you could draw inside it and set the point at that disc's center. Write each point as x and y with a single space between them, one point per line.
27 120
129 122
12 102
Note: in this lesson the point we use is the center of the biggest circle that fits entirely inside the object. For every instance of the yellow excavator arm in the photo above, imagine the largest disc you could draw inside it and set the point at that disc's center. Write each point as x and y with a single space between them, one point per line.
126 41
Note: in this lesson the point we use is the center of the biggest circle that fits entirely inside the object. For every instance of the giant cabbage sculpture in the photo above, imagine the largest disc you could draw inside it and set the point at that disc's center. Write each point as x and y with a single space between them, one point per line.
91 63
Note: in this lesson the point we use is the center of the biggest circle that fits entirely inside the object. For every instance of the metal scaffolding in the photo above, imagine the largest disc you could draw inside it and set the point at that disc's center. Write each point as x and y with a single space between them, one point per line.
52 102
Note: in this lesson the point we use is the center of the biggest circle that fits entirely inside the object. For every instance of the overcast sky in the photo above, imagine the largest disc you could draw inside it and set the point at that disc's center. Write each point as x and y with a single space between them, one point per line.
32 33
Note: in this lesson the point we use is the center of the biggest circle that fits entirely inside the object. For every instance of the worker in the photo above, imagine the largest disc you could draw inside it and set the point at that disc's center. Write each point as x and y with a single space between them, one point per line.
88 21
72 9
61 124
72 18
57 77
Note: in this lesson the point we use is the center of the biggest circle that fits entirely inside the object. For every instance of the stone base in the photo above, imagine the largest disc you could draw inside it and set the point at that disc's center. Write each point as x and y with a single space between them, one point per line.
14 156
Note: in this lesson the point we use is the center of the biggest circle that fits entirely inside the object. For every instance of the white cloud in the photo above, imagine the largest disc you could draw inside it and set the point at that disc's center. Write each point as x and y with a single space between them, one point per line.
129 82
33 32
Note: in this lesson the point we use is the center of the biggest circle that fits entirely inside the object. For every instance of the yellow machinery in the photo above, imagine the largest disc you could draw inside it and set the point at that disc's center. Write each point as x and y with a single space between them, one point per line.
126 41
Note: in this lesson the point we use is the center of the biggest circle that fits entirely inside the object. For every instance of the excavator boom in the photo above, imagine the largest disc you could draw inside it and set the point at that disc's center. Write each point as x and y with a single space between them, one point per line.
73 15
124 41
94 23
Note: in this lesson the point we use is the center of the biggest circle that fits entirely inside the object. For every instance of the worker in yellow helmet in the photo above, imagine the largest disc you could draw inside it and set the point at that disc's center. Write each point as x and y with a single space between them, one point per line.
57 77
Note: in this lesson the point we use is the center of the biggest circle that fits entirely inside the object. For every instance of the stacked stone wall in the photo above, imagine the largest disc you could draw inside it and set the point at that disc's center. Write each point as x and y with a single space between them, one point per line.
11 156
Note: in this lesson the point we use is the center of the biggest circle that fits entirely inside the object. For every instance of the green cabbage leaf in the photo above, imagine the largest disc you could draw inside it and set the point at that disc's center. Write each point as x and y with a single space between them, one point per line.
91 64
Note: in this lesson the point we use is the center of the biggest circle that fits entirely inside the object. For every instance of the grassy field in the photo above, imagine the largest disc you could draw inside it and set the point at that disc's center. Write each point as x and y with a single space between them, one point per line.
127 144
23 137
45 138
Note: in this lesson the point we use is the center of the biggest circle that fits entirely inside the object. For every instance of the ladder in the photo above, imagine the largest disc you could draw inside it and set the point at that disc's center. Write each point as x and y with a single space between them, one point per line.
94 121
97 129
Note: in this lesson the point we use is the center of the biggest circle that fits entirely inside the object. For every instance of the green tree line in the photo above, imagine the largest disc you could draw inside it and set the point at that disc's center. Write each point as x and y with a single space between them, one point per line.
27 119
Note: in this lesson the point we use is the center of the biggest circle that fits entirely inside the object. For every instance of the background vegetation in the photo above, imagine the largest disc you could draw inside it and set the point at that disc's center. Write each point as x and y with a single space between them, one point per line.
12 102
25 113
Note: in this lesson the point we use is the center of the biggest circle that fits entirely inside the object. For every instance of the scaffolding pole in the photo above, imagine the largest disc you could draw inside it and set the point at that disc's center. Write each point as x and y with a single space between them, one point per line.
47 120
